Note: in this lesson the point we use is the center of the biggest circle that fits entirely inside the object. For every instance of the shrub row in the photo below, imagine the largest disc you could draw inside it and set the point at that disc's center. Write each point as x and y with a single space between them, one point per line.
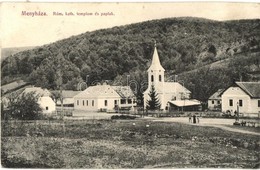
122 117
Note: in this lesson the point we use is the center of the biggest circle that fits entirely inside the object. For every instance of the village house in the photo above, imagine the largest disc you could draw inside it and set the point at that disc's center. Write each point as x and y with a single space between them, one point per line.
45 101
67 98
105 98
214 101
13 86
170 94
242 97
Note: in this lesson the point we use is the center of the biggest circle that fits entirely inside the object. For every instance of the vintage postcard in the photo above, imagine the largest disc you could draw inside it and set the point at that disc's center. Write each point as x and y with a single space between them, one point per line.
130 85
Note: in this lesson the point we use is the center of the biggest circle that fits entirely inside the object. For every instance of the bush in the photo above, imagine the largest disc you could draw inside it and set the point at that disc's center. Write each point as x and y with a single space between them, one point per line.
122 117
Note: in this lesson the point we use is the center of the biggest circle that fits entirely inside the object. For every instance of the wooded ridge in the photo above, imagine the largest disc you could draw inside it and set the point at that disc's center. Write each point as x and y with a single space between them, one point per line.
192 48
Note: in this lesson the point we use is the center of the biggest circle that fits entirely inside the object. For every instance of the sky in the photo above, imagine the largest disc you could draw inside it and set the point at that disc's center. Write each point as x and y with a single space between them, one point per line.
19 30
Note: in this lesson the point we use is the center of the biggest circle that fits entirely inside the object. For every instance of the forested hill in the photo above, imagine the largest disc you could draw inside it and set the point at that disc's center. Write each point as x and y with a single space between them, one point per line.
183 44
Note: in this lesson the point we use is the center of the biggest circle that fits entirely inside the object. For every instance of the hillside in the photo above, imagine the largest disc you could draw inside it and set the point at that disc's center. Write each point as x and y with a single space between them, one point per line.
184 44
6 52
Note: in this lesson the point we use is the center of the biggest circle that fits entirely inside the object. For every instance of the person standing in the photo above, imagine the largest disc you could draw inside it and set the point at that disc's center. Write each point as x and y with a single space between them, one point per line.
194 118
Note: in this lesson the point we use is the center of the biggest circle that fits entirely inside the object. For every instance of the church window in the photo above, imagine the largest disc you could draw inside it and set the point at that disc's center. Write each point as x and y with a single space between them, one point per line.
152 78
160 77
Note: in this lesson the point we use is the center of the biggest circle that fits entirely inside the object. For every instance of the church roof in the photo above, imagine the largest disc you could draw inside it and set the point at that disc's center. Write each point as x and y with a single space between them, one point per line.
156 64
170 87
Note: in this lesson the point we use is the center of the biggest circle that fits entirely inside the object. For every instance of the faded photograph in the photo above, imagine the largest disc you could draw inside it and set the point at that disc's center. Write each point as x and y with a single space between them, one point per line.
130 85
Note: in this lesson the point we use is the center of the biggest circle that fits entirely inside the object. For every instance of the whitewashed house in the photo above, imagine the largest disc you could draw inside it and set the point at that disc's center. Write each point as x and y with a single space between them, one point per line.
67 97
45 101
242 97
166 91
105 98
214 101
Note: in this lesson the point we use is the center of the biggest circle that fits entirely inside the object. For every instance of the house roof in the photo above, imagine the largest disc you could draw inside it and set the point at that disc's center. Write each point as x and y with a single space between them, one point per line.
170 87
14 85
156 64
251 88
216 95
124 91
106 91
38 91
68 93
184 103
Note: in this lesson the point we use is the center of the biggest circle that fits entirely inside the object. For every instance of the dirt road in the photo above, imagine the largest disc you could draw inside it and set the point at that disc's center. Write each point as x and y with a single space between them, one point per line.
210 122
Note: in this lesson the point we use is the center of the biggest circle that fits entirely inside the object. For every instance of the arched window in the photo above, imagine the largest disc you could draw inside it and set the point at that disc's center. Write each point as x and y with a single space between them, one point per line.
160 77
152 78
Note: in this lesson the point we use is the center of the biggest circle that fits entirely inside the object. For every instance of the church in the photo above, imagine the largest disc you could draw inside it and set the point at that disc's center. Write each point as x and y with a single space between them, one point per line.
172 95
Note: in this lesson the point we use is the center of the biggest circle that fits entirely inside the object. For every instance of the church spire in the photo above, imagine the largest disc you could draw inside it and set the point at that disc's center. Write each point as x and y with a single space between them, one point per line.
156 64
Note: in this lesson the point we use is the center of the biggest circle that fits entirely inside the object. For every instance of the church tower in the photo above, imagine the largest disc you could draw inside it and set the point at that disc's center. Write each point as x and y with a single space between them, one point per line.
166 91
156 71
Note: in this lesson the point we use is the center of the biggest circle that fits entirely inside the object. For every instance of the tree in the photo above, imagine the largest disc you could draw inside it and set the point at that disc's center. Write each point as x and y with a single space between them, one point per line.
55 95
25 106
154 102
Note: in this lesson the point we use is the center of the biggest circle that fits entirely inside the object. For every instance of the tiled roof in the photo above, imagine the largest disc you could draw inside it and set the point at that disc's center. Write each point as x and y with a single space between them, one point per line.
124 91
68 93
38 91
216 95
106 91
251 88
181 103
13 85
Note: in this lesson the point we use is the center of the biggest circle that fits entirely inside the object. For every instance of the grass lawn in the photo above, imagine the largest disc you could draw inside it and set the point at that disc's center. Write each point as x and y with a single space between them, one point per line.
120 144
247 128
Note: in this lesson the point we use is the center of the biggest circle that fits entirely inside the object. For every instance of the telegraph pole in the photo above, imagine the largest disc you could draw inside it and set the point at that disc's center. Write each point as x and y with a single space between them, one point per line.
59 82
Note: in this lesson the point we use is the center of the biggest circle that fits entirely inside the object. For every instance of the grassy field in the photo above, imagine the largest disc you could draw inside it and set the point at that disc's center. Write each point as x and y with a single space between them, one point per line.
120 144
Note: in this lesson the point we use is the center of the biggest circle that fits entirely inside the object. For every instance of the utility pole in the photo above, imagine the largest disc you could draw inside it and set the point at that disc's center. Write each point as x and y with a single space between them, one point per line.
59 82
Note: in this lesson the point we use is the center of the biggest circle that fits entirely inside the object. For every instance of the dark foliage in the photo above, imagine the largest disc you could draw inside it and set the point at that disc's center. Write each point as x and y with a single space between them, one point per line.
122 117
184 44
24 106
153 103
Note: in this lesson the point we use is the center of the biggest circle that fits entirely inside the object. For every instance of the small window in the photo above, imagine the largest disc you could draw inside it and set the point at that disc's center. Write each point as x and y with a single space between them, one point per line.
83 102
240 103
123 101
86 102
115 102
230 102
258 103
152 78
218 101
93 103
129 101
105 102
77 102
160 77
47 108
212 101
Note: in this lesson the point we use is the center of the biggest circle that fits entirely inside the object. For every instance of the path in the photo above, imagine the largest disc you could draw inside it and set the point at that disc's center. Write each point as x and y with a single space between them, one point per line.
210 122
